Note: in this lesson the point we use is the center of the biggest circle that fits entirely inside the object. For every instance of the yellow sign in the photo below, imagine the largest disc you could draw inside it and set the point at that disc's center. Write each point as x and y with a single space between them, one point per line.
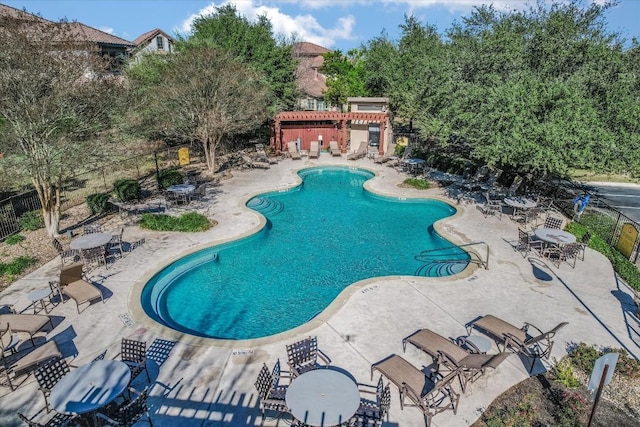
183 156
402 141
627 241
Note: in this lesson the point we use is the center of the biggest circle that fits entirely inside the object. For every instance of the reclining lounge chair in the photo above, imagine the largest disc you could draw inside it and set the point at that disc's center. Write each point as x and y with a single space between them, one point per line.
360 152
29 323
469 366
292 149
518 339
432 395
314 150
21 363
75 287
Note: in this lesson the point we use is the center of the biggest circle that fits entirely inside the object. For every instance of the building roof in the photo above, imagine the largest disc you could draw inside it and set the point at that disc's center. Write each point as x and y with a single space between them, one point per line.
149 35
365 99
308 49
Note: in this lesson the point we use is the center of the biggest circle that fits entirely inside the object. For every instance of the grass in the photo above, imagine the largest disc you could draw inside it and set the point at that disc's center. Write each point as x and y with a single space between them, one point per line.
16 266
188 222
14 239
590 176
418 183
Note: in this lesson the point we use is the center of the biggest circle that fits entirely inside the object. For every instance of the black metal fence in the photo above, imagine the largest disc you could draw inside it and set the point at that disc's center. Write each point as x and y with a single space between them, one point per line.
100 180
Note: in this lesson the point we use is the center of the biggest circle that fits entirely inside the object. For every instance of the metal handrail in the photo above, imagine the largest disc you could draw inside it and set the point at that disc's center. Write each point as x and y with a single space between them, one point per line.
484 263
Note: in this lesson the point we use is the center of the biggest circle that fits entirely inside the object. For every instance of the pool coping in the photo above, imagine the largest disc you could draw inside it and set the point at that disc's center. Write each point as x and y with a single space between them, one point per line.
135 293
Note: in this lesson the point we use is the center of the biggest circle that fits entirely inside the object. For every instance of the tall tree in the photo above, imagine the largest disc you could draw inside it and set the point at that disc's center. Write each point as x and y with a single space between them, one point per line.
55 100
199 94
345 76
252 43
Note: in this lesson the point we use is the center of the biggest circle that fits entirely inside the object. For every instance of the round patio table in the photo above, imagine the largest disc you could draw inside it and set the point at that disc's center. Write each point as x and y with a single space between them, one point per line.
553 235
90 387
90 241
323 397
520 202
181 188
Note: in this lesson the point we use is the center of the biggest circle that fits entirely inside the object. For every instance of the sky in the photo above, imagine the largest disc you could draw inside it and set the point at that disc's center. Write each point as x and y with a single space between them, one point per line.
334 24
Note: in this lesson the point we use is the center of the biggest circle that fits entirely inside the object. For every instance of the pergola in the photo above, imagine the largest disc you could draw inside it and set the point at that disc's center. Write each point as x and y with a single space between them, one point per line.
341 119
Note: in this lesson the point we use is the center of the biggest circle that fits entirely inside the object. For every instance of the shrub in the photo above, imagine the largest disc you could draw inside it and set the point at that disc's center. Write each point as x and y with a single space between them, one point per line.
31 221
16 266
420 184
563 372
98 203
189 222
572 410
169 177
12 240
126 189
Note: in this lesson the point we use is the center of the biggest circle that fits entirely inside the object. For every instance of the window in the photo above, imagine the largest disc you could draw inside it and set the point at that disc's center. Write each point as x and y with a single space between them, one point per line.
311 104
160 42
320 105
374 135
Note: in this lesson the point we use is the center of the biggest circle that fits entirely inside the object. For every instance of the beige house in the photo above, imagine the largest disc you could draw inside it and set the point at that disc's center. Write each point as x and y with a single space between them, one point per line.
310 81
154 41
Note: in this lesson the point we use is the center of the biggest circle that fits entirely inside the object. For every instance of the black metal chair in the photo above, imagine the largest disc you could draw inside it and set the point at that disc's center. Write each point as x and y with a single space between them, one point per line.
134 354
304 356
372 412
272 397
48 376
67 256
130 412
58 420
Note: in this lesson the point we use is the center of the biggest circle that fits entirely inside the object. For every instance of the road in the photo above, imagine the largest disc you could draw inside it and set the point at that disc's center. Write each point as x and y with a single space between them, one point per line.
624 197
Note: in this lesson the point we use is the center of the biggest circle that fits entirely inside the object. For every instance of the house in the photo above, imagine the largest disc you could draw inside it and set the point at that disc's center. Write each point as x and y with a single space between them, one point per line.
369 130
311 83
154 41
114 47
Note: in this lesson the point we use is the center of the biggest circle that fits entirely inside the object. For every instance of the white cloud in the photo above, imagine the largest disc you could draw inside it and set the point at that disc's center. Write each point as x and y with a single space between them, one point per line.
305 27
106 30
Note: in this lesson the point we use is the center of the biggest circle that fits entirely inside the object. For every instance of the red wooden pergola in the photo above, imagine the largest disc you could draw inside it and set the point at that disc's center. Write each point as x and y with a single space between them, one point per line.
323 122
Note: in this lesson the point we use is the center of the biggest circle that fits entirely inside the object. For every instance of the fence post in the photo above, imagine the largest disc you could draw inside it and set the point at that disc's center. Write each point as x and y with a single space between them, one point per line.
104 179
155 156
613 233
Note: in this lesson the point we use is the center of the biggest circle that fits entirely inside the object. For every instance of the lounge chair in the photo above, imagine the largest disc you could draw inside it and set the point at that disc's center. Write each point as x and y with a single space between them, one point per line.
304 355
29 323
255 164
30 360
73 285
446 353
314 150
292 149
432 395
518 339
391 152
335 150
360 152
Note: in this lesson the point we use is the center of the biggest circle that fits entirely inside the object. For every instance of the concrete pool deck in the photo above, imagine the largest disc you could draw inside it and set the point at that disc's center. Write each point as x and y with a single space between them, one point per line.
207 382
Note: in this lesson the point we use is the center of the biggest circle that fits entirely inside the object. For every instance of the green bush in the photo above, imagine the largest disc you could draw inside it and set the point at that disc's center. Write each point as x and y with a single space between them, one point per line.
126 189
563 372
169 177
16 266
14 239
420 184
189 222
98 203
31 221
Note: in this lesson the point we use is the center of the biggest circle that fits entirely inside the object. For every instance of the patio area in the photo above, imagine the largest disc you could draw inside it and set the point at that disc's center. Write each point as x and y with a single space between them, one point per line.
197 382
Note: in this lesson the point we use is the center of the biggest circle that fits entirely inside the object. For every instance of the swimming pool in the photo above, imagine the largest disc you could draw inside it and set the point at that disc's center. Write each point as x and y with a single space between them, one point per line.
319 238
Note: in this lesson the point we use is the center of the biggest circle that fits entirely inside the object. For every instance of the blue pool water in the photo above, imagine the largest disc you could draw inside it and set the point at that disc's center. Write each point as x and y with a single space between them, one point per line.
320 237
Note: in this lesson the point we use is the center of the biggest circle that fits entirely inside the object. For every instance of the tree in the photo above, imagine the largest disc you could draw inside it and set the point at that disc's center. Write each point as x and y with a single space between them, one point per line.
345 76
55 100
199 94
252 43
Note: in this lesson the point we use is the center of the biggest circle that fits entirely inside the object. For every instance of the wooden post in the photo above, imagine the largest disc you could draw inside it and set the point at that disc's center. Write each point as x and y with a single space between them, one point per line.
598 393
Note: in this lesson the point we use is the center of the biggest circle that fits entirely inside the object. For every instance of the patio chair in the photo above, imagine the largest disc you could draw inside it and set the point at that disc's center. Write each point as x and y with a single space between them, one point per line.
526 244
73 285
583 244
314 150
292 149
372 412
91 228
134 354
28 323
262 155
48 376
518 339
444 352
567 253
333 147
490 207
25 361
360 152
474 183
67 256
254 164
200 193
58 420
391 152
432 395
553 222
272 398
304 356
130 412
115 244
95 257
9 341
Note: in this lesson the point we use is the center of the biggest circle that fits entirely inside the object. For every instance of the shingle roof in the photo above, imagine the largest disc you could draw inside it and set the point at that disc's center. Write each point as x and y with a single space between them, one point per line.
308 49
149 35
